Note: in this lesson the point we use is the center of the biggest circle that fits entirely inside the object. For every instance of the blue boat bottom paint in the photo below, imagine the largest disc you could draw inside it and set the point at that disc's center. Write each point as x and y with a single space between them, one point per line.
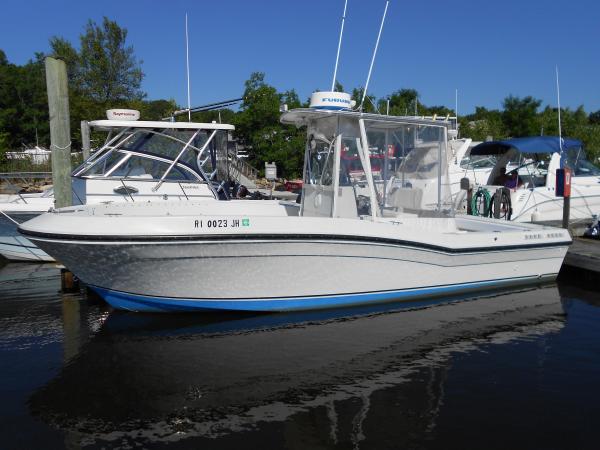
143 303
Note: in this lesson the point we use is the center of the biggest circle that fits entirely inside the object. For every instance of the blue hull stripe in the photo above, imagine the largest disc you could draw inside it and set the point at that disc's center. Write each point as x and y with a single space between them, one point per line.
136 302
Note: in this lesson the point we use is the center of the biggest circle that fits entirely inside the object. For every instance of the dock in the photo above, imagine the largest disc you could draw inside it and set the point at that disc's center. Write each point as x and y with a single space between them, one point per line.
582 263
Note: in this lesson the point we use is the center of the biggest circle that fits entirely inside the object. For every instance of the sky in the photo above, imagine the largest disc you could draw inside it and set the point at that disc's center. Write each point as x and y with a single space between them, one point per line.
486 50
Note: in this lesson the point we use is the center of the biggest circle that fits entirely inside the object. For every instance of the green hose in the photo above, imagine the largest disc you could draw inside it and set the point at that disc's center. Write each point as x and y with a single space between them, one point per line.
487 200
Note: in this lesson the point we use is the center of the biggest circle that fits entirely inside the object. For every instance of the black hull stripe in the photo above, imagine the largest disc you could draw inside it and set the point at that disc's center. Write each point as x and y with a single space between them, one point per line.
286 237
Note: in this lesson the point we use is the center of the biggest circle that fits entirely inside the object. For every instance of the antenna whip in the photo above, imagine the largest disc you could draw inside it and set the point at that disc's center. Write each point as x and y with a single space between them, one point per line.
187 63
337 58
374 54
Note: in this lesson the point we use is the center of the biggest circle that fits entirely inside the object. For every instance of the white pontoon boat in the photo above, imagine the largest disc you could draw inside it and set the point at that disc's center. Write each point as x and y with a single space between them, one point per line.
358 238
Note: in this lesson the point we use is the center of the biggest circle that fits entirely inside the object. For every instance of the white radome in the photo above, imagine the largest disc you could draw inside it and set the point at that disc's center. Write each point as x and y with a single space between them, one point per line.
122 114
331 100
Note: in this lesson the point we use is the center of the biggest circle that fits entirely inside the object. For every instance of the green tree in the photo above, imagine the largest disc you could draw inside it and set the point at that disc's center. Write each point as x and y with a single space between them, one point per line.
370 101
402 102
484 123
23 103
520 116
594 118
62 49
259 129
109 69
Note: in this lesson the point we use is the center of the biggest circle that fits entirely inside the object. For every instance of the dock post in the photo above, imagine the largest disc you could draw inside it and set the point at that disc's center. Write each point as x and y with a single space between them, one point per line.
60 132
566 212
68 281
85 139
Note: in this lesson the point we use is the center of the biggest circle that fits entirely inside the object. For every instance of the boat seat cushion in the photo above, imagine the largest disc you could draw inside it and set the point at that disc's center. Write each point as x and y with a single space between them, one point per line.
406 198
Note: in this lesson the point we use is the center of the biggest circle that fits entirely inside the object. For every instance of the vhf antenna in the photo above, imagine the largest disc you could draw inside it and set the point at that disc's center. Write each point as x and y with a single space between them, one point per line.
373 58
187 61
337 58
558 101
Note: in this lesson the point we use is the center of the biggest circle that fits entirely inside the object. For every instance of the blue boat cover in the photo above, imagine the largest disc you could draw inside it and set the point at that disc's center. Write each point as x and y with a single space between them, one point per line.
534 144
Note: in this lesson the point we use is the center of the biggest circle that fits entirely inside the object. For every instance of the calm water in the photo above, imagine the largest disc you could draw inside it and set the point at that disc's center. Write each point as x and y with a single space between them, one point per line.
510 370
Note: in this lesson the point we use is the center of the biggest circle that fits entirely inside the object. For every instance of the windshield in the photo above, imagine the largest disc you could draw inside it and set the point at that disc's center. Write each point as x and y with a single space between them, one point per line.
166 143
149 153
357 167
581 166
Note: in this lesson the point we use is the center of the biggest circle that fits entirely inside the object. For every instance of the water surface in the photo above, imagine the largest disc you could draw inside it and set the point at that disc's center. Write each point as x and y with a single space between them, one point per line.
516 369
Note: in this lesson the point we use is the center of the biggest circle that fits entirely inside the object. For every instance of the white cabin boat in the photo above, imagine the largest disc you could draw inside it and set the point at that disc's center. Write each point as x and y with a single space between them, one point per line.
140 161
527 168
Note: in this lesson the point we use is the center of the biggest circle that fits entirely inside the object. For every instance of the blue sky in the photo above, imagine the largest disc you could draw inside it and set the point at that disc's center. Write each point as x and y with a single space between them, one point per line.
486 50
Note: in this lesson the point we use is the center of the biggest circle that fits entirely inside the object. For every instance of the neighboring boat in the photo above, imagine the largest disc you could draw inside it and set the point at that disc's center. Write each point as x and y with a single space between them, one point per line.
140 161
358 238
527 167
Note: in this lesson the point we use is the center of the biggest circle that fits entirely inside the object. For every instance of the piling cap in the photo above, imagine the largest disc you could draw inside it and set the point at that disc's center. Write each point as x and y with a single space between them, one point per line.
122 114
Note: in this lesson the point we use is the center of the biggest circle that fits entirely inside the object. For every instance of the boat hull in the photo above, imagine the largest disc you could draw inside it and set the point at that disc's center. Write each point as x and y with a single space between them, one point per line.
291 273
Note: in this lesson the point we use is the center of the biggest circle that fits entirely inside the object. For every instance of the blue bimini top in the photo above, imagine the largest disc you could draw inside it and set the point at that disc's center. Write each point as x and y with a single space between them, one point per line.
533 144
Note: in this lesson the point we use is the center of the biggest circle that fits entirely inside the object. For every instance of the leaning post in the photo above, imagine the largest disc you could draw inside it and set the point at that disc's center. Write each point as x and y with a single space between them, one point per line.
60 133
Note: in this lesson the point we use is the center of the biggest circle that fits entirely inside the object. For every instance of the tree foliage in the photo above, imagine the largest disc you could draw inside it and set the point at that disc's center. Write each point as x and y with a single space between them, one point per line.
520 116
23 103
259 129
109 69
103 73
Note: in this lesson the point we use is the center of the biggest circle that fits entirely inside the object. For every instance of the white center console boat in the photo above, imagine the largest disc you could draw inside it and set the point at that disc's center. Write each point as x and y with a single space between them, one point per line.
360 235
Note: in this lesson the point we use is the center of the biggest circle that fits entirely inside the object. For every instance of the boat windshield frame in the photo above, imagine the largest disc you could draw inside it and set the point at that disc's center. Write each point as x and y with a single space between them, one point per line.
337 130
116 144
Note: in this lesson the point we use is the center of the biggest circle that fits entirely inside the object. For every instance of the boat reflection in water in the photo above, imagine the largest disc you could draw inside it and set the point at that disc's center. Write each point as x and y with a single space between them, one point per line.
308 379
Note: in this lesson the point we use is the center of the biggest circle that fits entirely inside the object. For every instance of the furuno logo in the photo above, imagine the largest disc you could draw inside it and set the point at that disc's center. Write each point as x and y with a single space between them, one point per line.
336 100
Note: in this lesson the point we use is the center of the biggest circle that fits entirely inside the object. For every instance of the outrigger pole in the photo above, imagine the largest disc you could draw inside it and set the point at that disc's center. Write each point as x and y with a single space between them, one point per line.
337 58
208 107
373 58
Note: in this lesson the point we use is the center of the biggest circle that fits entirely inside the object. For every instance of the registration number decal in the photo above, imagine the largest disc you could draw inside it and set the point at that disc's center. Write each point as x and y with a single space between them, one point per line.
221 223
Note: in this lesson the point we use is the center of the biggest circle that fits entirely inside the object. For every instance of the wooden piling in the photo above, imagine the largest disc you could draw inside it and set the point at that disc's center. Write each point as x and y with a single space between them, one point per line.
68 281
60 133
566 212
85 139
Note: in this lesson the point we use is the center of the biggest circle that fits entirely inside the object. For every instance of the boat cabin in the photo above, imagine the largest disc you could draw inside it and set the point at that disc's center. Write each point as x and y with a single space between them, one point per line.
155 160
531 162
